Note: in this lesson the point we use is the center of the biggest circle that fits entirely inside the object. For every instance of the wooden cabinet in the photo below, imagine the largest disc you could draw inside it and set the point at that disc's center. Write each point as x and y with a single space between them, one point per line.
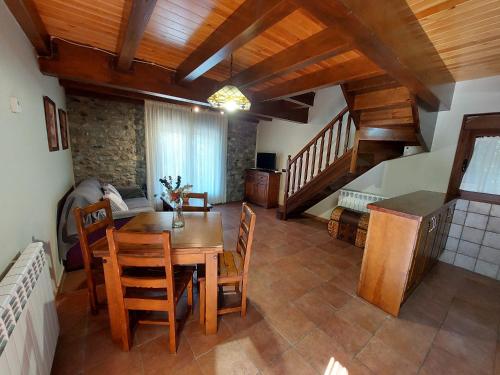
262 187
406 236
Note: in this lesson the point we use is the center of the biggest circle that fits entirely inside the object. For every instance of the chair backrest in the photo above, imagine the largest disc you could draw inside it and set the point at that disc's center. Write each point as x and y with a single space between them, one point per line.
245 235
128 250
96 223
187 207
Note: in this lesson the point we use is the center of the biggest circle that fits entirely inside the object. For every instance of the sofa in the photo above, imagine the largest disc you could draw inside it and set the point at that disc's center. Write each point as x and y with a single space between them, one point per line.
87 192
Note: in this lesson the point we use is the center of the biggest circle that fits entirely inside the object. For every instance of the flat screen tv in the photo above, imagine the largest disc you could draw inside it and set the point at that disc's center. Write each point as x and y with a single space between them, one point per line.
266 160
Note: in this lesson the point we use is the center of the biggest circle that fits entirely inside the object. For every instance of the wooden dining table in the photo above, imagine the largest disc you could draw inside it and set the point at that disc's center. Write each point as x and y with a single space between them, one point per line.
198 242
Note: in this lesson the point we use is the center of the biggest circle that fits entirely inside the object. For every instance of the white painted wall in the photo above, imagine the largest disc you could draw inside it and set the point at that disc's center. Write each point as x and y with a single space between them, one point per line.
32 178
427 171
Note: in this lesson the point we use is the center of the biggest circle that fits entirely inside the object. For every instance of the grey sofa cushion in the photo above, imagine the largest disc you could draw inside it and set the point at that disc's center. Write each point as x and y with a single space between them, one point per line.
135 206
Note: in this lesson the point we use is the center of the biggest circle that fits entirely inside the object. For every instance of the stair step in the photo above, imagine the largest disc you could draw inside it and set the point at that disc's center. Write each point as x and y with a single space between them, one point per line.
388 117
371 84
388 98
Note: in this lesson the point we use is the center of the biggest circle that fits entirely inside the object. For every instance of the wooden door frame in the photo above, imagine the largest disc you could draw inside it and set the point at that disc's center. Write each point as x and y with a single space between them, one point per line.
473 126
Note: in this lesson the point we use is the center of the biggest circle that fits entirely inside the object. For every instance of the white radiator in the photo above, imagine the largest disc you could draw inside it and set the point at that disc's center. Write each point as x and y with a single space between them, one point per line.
28 319
356 200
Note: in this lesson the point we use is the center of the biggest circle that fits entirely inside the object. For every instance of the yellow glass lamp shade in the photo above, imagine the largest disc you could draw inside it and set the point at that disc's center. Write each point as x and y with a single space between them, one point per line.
230 98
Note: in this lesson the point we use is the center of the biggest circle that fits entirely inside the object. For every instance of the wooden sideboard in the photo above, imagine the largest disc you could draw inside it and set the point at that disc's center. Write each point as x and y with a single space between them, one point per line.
406 236
262 187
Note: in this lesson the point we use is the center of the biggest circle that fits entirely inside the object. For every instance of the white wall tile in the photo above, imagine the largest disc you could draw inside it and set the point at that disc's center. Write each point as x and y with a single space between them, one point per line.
447 256
492 240
459 217
451 244
464 261
476 220
479 208
472 235
490 254
495 210
455 230
493 224
486 269
462 204
468 248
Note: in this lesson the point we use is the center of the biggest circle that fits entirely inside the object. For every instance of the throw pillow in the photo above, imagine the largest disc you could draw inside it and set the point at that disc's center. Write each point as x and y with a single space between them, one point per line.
108 188
117 203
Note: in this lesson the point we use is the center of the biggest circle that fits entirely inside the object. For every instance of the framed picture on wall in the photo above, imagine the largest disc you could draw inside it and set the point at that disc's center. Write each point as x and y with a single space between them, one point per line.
63 126
51 123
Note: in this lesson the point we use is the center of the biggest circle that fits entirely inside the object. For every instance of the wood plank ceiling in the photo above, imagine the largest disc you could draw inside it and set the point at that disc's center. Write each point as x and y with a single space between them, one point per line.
281 48
466 34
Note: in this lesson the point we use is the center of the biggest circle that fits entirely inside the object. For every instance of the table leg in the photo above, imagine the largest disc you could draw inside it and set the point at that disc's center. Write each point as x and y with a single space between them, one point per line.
116 318
211 294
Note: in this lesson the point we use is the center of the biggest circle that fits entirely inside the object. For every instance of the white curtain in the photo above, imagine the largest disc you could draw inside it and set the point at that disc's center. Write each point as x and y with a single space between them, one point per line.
483 173
180 142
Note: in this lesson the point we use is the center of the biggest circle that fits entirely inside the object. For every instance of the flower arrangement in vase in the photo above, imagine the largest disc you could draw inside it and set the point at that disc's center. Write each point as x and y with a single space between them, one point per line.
176 194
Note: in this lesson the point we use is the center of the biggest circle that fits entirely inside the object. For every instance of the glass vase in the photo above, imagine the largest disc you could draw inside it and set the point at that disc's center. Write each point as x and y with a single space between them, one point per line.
178 216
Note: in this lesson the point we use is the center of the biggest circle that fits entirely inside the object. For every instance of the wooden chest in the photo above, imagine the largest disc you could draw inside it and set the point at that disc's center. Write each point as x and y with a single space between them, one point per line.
349 225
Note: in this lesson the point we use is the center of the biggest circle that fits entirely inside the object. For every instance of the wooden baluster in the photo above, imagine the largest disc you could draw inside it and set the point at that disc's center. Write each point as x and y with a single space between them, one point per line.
293 176
307 167
339 133
287 186
300 172
329 146
321 147
347 133
314 159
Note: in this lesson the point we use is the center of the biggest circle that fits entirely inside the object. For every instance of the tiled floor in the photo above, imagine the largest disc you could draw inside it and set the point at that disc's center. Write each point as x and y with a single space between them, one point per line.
304 316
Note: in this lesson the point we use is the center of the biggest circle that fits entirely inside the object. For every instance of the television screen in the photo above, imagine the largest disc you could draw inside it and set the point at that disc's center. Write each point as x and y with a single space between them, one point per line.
266 160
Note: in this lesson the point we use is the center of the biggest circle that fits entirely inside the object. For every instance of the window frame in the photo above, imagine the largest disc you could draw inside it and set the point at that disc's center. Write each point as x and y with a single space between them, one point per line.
473 126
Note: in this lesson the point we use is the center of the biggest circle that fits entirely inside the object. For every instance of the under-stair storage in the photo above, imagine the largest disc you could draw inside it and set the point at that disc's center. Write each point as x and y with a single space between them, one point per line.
406 236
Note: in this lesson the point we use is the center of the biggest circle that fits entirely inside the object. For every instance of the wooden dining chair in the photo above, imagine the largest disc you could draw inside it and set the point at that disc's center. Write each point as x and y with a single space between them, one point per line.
189 208
86 232
147 281
233 266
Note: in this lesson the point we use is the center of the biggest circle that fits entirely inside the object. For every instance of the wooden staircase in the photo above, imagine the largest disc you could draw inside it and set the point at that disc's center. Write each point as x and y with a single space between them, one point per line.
380 119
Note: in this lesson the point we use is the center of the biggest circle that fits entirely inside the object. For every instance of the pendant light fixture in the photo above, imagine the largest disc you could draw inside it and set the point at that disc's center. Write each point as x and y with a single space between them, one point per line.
229 97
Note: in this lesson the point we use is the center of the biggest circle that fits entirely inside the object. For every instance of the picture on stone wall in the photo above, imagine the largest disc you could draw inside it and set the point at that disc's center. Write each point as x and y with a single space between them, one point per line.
63 128
51 123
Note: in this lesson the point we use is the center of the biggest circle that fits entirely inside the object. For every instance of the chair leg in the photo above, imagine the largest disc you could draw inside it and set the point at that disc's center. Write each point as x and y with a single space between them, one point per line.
172 345
92 291
202 301
127 339
190 296
244 299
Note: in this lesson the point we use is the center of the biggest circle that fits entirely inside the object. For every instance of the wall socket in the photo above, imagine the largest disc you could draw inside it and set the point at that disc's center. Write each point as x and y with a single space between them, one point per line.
15 105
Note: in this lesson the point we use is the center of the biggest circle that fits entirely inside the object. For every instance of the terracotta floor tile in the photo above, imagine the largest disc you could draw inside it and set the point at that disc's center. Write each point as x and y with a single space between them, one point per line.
439 361
319 348
156 359
99 348
290 322
381 359
497 359
201 343
69 358
314 260
290 363
333 295
237 324
125 363
315 307
409 339
363 314
227 358
351 336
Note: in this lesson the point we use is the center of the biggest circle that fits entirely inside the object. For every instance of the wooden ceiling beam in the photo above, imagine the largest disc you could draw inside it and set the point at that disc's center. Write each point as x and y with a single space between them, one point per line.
249 20
354 69
316 48
138 19
28 18
303 100
388 33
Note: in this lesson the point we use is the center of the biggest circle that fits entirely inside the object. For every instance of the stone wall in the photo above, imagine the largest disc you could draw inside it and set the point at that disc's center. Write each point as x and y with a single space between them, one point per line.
107 140
241 143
